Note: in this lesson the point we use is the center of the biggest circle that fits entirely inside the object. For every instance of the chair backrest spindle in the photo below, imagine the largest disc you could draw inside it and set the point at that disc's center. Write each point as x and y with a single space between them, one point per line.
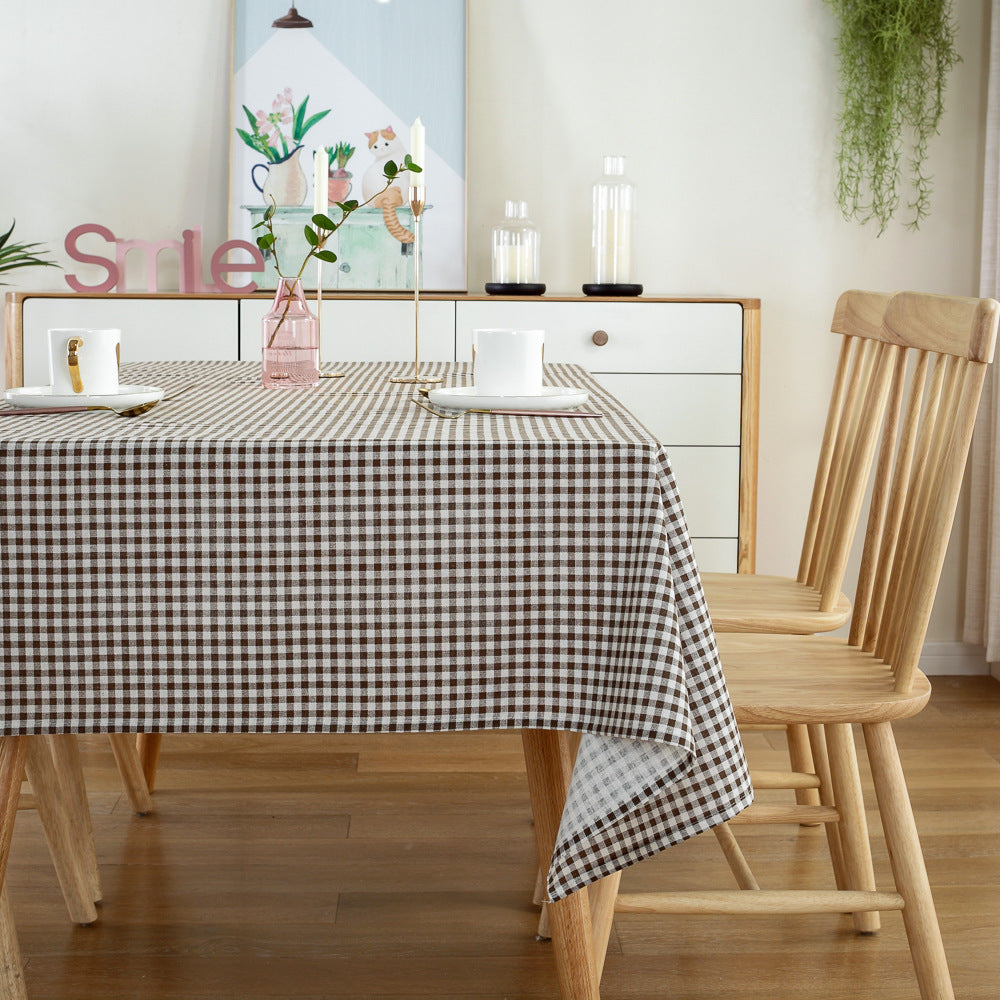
856 405
826 456
857 473
924 445
867 618
880 500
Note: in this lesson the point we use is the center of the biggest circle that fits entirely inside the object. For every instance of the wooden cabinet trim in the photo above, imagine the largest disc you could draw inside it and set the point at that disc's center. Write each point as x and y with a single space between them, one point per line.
750 397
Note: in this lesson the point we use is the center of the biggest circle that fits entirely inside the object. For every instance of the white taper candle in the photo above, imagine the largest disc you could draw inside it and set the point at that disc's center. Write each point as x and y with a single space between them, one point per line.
321 188
417 152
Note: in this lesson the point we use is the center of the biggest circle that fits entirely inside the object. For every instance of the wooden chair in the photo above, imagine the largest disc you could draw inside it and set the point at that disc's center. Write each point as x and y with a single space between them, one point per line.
870 678
812 601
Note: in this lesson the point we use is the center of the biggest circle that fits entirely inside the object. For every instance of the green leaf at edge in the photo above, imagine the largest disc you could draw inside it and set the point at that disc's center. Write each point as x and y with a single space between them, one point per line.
300 114
312 121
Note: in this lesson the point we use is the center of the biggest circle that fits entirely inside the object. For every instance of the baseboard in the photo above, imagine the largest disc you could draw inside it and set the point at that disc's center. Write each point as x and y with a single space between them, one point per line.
939 658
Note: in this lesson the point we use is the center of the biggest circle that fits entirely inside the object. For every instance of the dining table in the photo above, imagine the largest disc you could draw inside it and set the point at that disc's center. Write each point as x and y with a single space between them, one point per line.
349 558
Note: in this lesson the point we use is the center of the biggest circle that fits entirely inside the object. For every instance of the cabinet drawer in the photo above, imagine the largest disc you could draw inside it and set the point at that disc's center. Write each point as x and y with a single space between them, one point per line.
642 336
162 330
709 483
682 409
365 330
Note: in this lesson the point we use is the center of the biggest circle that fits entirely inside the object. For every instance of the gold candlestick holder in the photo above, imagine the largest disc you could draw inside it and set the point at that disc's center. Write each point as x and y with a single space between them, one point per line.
416 207
319 321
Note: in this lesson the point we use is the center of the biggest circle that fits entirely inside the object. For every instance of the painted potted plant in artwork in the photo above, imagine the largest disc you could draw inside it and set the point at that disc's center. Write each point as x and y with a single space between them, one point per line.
15 255
277 135
340 176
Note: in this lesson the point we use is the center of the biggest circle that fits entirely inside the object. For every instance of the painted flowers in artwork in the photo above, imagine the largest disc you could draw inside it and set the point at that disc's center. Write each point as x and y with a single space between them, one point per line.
277 133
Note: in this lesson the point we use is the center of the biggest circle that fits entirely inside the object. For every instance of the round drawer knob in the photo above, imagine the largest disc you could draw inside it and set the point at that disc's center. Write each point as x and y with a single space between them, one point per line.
600 337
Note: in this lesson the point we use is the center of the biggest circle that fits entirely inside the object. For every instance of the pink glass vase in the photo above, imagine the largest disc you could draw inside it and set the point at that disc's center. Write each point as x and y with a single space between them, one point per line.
290 340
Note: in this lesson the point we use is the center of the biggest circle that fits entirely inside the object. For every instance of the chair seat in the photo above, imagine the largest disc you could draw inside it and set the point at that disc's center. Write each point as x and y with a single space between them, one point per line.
812 679
746 602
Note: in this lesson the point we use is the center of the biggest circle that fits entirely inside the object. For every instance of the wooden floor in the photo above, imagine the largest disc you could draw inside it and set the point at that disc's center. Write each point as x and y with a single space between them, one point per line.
375 867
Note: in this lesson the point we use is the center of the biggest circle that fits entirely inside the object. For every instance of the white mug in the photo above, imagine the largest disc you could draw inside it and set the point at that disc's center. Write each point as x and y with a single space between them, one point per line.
508 362
84 362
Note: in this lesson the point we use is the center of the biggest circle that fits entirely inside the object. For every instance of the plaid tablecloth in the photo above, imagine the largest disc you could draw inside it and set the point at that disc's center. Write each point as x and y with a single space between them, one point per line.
340 560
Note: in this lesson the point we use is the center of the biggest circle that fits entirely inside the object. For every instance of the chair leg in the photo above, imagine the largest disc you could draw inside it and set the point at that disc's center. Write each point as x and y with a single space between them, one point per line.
130 769
859 871
543 932
908 869
62 834
147 745
800 756
821 761
547 763
66 756
742 872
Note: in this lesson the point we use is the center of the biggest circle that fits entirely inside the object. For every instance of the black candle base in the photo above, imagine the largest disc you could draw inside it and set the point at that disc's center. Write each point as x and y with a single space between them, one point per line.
613 290
514 288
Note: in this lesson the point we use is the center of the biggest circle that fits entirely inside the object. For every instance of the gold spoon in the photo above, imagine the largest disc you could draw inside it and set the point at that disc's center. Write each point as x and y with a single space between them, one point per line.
128 411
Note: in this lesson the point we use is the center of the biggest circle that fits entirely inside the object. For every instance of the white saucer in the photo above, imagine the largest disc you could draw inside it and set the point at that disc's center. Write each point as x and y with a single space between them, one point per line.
465 397
42 395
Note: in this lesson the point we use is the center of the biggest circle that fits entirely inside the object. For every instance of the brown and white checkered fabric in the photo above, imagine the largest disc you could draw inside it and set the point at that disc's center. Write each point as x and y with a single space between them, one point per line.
339 560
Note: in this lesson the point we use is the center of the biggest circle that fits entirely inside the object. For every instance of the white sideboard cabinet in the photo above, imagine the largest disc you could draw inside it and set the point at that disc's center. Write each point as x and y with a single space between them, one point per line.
688 368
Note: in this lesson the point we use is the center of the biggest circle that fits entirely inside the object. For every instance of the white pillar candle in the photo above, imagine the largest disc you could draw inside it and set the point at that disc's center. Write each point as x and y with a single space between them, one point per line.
514 264
321 188
417 152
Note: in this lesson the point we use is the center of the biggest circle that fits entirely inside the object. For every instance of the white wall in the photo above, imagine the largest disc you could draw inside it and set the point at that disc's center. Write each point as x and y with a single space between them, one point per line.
117 113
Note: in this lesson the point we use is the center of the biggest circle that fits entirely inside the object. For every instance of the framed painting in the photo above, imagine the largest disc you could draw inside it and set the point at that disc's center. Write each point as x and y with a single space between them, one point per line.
350 78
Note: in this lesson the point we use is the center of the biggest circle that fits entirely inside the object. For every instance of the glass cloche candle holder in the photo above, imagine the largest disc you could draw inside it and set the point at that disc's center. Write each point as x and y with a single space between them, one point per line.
611 238
515 254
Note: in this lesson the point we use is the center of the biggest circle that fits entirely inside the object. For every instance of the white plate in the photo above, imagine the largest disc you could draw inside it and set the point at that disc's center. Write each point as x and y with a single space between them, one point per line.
42 395
465 397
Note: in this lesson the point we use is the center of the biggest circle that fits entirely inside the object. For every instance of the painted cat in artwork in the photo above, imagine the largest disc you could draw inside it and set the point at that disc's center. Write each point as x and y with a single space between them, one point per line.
384 145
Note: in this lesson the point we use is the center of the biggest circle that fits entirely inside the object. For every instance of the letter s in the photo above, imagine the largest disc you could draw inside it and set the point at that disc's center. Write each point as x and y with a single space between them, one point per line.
85 258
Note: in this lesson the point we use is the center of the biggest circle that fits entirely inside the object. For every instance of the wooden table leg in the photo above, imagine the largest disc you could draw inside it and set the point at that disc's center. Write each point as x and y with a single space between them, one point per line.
65 750
148 747
62 835
130 768
12 754
569 918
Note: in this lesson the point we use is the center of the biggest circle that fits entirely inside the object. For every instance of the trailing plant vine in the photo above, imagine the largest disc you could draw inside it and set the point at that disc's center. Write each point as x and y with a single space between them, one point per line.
895 56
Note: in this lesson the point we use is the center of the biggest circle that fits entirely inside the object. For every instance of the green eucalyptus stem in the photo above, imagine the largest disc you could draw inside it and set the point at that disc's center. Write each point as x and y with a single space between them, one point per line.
895 56
325 228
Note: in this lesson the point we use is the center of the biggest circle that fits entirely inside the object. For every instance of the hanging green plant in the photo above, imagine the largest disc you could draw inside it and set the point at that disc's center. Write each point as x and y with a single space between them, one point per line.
895 56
